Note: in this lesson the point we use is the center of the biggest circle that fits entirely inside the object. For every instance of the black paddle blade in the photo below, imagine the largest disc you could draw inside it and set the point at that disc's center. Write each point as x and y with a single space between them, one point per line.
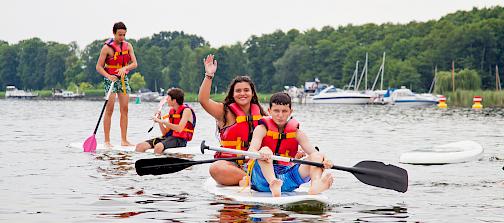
158 166
378 174
150 129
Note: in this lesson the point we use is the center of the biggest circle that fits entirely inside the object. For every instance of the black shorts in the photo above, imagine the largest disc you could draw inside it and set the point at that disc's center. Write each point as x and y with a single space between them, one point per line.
168 142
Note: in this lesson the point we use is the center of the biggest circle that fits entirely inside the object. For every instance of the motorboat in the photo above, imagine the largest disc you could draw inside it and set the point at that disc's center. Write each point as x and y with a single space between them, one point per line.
13 92
148 95
333 95
405 96
58 93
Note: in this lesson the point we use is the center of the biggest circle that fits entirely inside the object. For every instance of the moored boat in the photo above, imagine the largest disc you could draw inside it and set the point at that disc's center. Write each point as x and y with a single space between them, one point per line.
405 96
58 93
13 92
332 95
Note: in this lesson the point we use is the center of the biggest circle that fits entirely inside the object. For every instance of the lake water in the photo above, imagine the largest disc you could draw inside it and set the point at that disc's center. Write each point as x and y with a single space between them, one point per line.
43 180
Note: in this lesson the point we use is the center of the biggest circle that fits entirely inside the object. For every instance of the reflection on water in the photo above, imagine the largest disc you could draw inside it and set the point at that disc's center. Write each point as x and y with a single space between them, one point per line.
250 213
233 212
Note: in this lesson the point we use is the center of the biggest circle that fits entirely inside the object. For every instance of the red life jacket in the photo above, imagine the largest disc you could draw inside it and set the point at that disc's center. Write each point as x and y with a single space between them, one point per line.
120 59
175 117
281 143
238 135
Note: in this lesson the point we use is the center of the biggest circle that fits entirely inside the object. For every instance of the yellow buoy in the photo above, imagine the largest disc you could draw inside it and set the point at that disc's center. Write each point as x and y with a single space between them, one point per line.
442 102
477 102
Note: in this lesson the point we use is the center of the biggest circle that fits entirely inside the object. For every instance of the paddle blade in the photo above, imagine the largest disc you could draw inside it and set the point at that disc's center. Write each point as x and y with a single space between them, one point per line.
90 144
150 129
158 166
378 174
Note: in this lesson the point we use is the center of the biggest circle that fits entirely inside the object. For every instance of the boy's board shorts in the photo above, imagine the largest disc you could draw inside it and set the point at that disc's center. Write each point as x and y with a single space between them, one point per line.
288 174
117 85
168 142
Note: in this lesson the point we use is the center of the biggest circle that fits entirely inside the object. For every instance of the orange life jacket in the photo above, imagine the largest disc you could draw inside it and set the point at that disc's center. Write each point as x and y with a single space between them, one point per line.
238 135
281 143
175 117
120 59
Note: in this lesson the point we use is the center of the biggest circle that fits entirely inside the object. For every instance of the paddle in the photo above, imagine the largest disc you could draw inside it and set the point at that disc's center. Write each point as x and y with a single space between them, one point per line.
90 144
372 173
160 106
166 165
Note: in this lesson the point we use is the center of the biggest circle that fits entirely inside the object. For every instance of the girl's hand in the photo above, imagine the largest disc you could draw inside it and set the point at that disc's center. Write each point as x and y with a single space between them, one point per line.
210 65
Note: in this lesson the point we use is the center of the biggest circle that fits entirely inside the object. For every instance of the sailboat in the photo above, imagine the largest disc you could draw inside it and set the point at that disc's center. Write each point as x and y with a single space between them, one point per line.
378 97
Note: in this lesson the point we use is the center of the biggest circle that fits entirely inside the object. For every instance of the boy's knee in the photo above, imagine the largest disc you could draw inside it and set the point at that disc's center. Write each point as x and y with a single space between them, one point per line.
217 168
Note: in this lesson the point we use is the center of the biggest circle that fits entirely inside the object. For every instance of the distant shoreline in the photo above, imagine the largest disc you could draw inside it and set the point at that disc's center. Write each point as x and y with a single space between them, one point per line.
98 95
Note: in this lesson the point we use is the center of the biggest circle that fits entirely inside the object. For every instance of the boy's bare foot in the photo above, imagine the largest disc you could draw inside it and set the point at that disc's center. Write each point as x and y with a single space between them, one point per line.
126 143
276 187
108 145
320 185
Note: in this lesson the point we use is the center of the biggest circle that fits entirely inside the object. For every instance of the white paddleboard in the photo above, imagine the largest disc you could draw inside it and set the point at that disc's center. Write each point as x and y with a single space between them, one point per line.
237 193
102 147
456 152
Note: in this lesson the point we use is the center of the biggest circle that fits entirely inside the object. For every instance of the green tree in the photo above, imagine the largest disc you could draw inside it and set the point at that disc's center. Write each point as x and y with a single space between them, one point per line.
85 86
290 66
232 62
89 59
137 81
8 66
150 65
262 52
402 73
32 63
56 65
464 80
189 76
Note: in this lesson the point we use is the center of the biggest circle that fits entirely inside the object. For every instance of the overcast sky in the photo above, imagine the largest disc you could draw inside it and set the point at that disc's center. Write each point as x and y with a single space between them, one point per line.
221 22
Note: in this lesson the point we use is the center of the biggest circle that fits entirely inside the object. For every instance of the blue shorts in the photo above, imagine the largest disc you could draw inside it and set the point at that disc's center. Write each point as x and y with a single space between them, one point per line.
288 174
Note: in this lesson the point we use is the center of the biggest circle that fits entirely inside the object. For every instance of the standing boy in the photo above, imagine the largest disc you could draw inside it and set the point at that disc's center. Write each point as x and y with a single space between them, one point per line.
116 60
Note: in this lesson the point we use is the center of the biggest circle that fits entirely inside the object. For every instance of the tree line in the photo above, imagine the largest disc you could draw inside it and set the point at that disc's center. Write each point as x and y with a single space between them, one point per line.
473 39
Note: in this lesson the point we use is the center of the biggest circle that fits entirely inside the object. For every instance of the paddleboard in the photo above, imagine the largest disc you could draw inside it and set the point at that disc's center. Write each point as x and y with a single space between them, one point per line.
456 152
237 193
102 147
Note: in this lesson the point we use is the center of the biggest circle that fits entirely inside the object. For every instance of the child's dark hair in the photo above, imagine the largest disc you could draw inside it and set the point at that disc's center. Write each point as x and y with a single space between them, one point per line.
177 94
280 98
117 26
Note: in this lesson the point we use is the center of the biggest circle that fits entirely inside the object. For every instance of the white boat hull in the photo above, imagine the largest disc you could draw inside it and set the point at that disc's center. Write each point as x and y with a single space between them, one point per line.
415 102
341 100
457 152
